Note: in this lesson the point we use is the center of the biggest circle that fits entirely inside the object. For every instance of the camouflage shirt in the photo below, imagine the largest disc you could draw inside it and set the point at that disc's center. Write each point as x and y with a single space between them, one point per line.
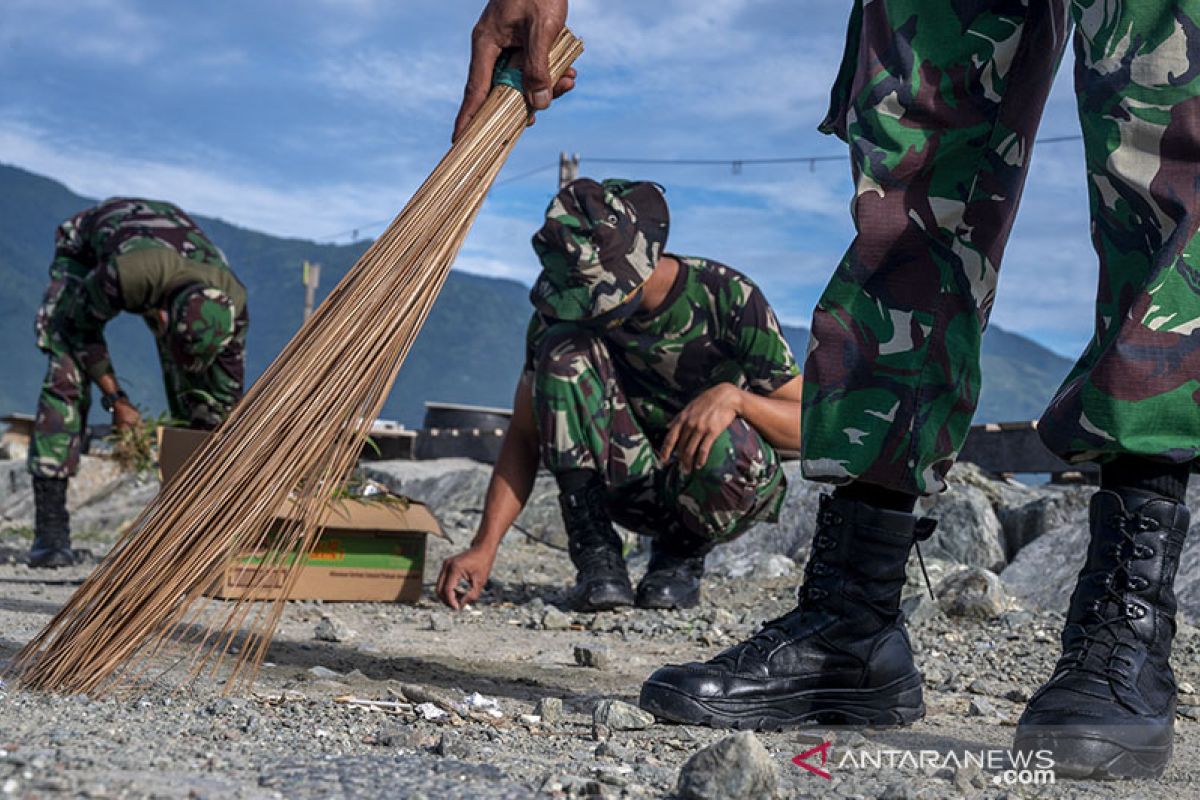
715 326
127 254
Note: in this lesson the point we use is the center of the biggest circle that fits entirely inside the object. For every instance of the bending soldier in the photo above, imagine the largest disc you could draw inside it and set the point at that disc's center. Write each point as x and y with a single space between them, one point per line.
149 258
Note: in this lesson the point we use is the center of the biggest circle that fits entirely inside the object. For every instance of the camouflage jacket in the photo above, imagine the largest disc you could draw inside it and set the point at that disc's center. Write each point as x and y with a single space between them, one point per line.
127 254
715 326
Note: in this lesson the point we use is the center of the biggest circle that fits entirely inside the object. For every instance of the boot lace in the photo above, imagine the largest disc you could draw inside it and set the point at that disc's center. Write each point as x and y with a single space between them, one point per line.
811 592
1112 614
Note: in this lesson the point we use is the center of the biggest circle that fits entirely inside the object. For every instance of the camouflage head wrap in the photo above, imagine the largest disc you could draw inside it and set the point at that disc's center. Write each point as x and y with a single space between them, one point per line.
598 246
199 326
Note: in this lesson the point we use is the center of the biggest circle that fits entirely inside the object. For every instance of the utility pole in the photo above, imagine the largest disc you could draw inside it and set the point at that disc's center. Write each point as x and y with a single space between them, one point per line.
311 279
568 168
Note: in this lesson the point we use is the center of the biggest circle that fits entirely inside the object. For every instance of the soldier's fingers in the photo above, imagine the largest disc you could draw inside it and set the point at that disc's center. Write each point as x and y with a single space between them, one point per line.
450 591
485 49
668 445
688 442
536 74
705 448
566 83
474 592
440 590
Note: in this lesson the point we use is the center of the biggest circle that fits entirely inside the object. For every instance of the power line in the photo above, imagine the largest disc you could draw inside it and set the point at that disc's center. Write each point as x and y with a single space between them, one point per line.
529 174
712 161
735 164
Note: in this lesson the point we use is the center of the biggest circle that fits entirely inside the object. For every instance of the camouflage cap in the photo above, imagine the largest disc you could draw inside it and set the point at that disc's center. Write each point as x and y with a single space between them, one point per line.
199 326
598 246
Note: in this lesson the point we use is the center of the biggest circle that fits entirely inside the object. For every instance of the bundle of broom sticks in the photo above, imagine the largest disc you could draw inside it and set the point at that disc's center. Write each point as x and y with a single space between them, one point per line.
293 439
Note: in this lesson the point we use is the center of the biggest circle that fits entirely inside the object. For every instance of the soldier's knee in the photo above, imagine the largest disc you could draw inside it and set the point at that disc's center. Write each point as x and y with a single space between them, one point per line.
727 494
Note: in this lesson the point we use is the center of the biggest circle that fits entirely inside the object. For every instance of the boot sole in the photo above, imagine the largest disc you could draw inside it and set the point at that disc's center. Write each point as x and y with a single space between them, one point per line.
56 559
1090 754
641 601
603 600
897 704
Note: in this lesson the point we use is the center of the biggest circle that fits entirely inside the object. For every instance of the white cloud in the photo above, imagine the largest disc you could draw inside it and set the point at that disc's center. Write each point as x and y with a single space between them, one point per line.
328 113
110 31
221 190
411 81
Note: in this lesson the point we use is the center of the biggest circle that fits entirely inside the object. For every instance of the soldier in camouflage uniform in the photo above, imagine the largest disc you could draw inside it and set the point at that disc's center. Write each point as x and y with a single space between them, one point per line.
656 389
940 103
148 258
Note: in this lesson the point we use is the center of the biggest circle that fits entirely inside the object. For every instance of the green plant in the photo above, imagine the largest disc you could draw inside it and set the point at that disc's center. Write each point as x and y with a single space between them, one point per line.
135 449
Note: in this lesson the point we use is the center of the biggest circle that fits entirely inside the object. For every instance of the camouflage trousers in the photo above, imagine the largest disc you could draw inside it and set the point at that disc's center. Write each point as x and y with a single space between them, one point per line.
940 103
196 399
585 422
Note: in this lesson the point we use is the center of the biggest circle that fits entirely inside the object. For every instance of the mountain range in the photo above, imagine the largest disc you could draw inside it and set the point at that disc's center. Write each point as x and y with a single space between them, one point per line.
470 350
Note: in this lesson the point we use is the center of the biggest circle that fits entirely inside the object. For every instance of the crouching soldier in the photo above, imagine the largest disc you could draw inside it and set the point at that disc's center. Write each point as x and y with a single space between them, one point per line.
148 258
656 389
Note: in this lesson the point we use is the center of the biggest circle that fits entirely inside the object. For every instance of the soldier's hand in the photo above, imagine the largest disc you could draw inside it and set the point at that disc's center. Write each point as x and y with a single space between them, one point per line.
530 25
691 435
125 415
464 576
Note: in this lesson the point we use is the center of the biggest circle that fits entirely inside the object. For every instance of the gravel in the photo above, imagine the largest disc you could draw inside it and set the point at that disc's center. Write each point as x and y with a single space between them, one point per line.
389 712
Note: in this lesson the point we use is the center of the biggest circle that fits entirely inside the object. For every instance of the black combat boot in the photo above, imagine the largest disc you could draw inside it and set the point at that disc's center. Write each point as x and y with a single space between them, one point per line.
842 657
52 525
1108 711
672 579
601 581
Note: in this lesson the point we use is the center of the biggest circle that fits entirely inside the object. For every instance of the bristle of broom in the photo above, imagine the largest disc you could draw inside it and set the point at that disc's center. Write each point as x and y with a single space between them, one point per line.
293 438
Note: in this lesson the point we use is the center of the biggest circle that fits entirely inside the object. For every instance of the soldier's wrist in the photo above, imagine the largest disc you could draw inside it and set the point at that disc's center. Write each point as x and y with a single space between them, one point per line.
110 400
735 397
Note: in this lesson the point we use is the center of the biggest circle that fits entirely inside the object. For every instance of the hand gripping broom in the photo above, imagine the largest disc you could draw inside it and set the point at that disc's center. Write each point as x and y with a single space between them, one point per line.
295 436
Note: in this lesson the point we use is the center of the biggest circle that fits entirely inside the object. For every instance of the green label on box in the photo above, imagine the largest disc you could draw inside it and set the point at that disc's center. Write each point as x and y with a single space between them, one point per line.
356 550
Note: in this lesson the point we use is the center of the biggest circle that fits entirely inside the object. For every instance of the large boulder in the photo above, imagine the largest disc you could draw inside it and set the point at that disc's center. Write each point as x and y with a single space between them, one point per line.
1025 512
16 495
101 498
454 489
1043 574
968 530
789 536
1049 508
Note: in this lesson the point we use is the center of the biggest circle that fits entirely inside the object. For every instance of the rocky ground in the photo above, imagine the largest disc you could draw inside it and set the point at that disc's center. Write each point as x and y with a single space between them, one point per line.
518 697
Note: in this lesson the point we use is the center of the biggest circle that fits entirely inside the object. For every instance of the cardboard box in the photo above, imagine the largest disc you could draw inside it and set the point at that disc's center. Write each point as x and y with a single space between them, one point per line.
368 551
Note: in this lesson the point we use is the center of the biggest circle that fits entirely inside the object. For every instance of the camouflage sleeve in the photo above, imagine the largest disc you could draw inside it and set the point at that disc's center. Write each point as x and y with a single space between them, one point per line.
533 338
70 240
763 352
101 301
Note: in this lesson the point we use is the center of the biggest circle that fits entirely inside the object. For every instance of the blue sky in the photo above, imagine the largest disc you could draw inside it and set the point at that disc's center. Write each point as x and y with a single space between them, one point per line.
312 118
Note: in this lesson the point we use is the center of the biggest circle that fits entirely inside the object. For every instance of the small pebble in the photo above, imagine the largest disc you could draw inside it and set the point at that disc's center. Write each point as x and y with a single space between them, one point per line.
550 709
555 620
596 656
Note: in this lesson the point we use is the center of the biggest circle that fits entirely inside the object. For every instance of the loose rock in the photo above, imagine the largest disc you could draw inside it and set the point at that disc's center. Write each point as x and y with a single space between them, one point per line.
332 629
555 620
981 707
620 716
550 709
323 673
733 768
974 593
596 656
